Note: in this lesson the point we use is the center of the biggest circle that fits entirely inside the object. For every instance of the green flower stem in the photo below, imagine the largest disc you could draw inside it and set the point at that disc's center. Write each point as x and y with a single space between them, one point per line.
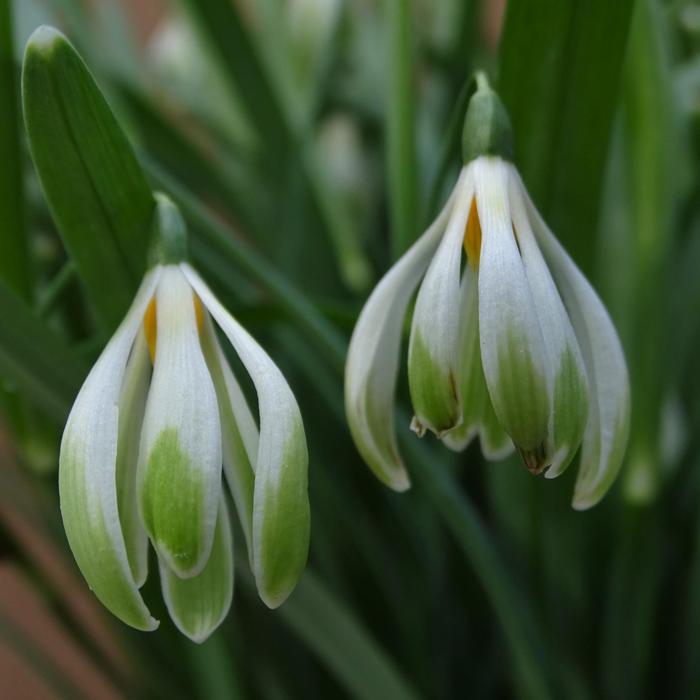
401 127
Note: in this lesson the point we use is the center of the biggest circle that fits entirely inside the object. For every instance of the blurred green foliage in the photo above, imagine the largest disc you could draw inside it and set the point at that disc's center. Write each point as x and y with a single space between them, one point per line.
307 143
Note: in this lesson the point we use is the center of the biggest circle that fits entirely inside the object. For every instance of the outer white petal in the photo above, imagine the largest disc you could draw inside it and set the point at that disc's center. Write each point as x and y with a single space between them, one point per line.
432 352
373 355
566 375
132 405
607 430
239 432
281 505
87 474
179 476
478 416
512 348
198 605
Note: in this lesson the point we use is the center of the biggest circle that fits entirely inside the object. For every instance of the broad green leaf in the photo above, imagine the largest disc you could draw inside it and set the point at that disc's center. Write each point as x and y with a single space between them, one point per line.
96 190
14 262
559 75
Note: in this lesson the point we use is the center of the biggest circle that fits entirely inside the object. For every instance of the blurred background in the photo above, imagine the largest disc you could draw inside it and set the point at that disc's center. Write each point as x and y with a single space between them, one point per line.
309 143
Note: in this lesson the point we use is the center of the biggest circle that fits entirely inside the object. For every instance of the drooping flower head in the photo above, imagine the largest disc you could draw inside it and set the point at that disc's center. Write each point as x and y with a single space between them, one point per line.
509 342
142 454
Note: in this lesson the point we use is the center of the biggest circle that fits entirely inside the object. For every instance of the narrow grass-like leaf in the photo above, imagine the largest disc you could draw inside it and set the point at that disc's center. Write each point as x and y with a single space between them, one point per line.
96 189
401 126
560 68
14 262
34 359
652 154
227 34
333 634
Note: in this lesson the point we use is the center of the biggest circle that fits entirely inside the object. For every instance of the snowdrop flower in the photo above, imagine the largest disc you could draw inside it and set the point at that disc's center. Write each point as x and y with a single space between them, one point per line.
509 342
142 454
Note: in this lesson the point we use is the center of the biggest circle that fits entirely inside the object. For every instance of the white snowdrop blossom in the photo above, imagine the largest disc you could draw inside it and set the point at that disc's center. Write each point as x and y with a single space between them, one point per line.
509 342
141 458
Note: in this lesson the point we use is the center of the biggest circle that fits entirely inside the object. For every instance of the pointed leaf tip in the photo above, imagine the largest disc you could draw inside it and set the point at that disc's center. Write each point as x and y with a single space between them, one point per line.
44 39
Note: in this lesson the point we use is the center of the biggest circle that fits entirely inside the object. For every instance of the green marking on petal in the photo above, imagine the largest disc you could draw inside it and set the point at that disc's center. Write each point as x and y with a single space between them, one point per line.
198 605
94 551
591 486
520 400
433 390
172 503
285 526
570 407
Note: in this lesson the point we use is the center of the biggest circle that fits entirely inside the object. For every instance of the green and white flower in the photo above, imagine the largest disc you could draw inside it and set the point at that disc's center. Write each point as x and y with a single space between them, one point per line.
142 454
509 342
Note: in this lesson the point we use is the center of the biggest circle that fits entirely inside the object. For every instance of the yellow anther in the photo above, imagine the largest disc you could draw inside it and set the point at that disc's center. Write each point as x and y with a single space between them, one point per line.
150 328
472 236
150 323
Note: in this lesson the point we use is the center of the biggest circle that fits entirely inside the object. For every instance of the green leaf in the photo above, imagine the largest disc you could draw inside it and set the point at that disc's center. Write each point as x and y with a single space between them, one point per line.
652 152
14 261
401 126
332 633
96 190
35 359
225 30
560 68
524 637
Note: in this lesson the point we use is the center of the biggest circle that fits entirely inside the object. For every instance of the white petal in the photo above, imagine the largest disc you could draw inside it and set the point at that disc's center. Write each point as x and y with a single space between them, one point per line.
179 477
478 416
87 474
432 352
512 348
132 406
281 505
607 430
199 604
373 355
239 432
566 376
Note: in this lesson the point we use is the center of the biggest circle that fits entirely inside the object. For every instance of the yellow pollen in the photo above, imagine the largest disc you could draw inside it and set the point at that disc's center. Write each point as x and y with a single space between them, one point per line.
150 323
472 236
